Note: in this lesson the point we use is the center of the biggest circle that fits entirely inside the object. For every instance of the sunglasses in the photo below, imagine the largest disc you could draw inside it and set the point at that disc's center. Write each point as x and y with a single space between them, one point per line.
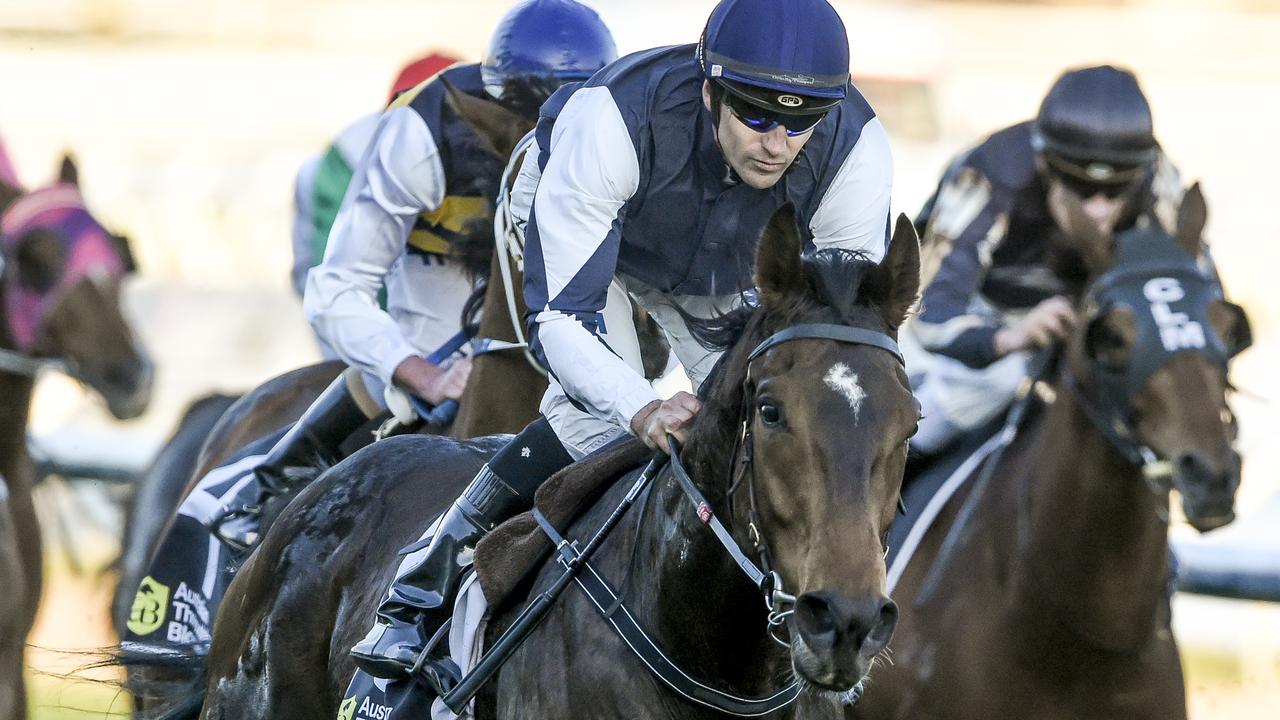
1077 181
762 121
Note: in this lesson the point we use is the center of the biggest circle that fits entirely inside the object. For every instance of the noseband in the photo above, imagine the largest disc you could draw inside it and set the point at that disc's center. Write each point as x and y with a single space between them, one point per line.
764 576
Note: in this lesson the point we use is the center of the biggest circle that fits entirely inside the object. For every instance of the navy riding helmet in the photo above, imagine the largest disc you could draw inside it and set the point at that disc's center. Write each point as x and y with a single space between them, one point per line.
1095 126
789 57
553 41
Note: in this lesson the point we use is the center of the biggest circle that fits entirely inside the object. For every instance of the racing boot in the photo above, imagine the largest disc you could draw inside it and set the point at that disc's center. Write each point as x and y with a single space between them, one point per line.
292 461
410 627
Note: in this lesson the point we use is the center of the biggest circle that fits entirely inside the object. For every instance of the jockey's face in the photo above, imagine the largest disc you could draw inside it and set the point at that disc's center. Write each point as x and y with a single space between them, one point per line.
1104 211
759 158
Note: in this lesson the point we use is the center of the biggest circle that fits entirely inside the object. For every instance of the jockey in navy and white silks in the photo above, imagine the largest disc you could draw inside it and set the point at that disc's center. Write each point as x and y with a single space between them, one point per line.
651 183
424 177
633 194
994 287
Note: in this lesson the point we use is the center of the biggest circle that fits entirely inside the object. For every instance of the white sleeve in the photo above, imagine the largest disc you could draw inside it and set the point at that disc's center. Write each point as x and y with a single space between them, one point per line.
400 176
303 226
590 174
854 212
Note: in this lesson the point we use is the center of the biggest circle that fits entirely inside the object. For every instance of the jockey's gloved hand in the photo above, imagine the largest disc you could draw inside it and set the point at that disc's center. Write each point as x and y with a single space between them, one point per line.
431 382
674 416
1051 320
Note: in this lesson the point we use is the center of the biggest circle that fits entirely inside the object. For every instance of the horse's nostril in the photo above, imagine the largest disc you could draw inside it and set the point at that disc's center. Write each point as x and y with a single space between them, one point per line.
816 621
882 631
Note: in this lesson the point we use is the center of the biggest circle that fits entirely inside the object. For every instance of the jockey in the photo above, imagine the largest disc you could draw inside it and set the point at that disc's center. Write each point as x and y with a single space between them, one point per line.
322 179
994 287
422 174
651 183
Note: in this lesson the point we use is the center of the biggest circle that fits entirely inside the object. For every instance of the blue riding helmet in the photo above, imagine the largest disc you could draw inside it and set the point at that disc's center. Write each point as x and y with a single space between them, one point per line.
787 56
558 40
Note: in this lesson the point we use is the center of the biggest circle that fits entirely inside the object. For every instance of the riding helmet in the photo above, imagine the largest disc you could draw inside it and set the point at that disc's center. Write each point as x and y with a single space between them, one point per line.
1096 118
547 40
788 56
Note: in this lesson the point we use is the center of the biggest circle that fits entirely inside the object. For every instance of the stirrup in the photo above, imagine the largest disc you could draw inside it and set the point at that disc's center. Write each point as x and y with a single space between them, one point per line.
242 511
440 674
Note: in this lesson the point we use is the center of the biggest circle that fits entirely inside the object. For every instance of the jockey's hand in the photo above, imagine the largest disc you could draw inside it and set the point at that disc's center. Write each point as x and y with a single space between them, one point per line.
674 415
433 383
1051 320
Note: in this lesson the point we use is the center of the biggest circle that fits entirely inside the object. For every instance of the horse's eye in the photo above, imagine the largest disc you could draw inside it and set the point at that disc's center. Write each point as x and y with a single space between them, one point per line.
770 414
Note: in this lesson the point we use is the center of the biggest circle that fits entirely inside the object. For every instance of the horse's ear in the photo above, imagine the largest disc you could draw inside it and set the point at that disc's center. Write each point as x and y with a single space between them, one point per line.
67 171
895 283
122 246
1192 216
499 129
779 272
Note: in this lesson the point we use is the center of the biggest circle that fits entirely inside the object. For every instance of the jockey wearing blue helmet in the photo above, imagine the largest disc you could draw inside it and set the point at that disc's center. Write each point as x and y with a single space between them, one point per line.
422 176
651 183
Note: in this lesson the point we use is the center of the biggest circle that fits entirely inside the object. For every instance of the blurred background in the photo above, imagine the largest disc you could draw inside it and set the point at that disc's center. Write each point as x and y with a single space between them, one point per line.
189 120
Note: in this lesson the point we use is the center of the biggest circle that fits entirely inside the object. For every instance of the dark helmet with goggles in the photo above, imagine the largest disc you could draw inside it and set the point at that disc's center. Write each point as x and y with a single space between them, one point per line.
1094 130
776 62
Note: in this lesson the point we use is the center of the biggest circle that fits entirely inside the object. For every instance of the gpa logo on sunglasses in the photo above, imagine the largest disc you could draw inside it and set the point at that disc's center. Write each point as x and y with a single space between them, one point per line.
790 100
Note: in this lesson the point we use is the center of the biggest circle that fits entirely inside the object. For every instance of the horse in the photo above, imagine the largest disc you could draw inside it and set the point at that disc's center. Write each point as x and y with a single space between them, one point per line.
1053 603
60 284
824 424
160 487
502 395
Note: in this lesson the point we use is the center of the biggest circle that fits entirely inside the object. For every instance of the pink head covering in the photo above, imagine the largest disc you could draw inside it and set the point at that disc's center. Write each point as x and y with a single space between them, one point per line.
7 175
90 253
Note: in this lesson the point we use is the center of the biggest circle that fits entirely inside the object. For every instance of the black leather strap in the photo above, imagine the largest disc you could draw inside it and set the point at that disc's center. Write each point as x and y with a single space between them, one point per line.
824 331
605 600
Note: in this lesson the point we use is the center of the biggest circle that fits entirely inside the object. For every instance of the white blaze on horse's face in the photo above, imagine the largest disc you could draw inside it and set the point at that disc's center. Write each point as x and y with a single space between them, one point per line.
845 382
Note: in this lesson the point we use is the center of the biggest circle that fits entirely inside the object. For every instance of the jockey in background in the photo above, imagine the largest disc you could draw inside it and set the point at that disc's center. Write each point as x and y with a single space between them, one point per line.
322 180
995 286
651 183
422 173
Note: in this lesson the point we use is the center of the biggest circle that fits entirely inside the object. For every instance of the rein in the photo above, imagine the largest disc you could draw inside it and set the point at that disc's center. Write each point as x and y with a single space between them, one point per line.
609 603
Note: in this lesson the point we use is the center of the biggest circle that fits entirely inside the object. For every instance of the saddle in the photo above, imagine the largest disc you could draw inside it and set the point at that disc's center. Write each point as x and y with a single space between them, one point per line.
506 555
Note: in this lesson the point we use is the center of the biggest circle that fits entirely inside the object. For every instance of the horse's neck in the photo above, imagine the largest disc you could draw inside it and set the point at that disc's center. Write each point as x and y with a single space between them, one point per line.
15 406
1095 548
702 610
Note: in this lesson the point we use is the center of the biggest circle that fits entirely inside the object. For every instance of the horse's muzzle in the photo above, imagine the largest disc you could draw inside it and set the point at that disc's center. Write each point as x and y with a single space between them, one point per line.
837 638
1208 489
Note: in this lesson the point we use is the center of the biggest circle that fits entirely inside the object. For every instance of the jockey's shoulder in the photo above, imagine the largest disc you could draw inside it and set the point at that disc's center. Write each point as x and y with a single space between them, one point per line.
1005 159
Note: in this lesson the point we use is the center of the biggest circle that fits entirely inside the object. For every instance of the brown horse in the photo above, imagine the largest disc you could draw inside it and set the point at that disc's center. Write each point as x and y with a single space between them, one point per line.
502 396
825 423
61 307
1056 604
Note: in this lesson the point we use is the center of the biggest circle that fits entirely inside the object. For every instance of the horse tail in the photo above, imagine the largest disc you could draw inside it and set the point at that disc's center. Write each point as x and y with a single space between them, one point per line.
171 680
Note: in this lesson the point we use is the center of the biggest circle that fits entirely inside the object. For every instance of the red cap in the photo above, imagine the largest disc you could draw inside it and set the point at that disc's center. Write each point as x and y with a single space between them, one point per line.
419 70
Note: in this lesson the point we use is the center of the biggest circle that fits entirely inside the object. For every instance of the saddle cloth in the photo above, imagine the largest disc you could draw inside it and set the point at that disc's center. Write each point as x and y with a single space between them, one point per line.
177 600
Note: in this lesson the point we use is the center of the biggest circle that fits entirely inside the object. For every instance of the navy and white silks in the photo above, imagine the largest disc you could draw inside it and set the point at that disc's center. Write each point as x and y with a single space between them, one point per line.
986 260
627 197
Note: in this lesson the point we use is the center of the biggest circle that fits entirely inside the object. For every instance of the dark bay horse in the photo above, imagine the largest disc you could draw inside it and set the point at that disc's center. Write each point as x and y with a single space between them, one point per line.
61 308
501 396
826 424
1056 605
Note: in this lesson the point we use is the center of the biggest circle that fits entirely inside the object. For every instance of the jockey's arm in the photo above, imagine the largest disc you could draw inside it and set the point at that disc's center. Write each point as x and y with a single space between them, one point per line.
854 212
400 176
572 251
967 223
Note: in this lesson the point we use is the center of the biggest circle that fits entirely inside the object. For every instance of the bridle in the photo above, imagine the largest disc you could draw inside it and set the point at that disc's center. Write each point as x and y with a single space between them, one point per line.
764 575
1169 296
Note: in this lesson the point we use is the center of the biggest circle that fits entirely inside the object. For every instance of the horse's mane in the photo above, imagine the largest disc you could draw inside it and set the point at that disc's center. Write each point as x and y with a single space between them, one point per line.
835 278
